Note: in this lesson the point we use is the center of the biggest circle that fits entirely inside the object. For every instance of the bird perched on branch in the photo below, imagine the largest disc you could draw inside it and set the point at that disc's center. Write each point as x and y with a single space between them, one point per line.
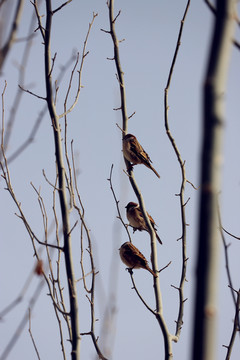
133 258
134 152
136 219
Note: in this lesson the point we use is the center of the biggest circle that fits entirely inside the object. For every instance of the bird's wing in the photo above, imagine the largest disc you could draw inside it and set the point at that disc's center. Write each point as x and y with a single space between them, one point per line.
150 218
138 150
138 257
139 213
151 221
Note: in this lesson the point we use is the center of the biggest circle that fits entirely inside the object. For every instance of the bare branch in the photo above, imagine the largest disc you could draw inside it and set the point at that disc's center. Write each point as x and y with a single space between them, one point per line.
32 93
40 27
183 183
120 77
31 335
38 121
166 266
189 182
75 339
227 265
117 204
84 54
61 6
235 329
215 84
138 294
91 291
234 236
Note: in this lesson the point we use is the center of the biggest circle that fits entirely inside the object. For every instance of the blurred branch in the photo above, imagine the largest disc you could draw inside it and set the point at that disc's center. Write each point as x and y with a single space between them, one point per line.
205 317
7 179
39 119
19 93
214 11
211 7
19 298
33 237
23 322
12 35
6 176
179 321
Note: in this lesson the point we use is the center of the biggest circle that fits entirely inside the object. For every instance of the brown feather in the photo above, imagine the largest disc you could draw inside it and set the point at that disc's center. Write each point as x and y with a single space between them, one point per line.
135 153
133 258
136 219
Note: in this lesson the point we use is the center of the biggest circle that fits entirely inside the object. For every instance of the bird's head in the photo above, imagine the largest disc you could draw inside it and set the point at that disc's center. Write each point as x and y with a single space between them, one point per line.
129 137
131 205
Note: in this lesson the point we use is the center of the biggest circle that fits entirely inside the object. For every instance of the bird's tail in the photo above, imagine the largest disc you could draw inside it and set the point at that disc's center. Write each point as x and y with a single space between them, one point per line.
158 238
155 171
150 270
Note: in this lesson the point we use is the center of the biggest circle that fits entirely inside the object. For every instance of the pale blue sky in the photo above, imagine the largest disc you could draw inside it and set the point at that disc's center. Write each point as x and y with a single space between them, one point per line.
150 32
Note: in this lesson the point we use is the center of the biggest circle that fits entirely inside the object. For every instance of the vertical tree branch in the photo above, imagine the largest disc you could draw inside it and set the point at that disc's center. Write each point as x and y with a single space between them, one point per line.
75 338
182 190
118 66
235 329
158 298
205 321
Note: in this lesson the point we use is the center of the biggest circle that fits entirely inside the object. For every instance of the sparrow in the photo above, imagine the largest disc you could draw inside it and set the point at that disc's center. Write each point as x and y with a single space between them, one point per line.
134 152
136 219
133 258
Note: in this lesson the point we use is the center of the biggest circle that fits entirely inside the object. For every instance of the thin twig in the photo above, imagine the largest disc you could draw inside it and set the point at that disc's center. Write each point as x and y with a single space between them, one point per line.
91 290
235 327
227 232
179 321
227 265
120 77
84 54
117 204
61 6
31 335
139 295
40 27
32 93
